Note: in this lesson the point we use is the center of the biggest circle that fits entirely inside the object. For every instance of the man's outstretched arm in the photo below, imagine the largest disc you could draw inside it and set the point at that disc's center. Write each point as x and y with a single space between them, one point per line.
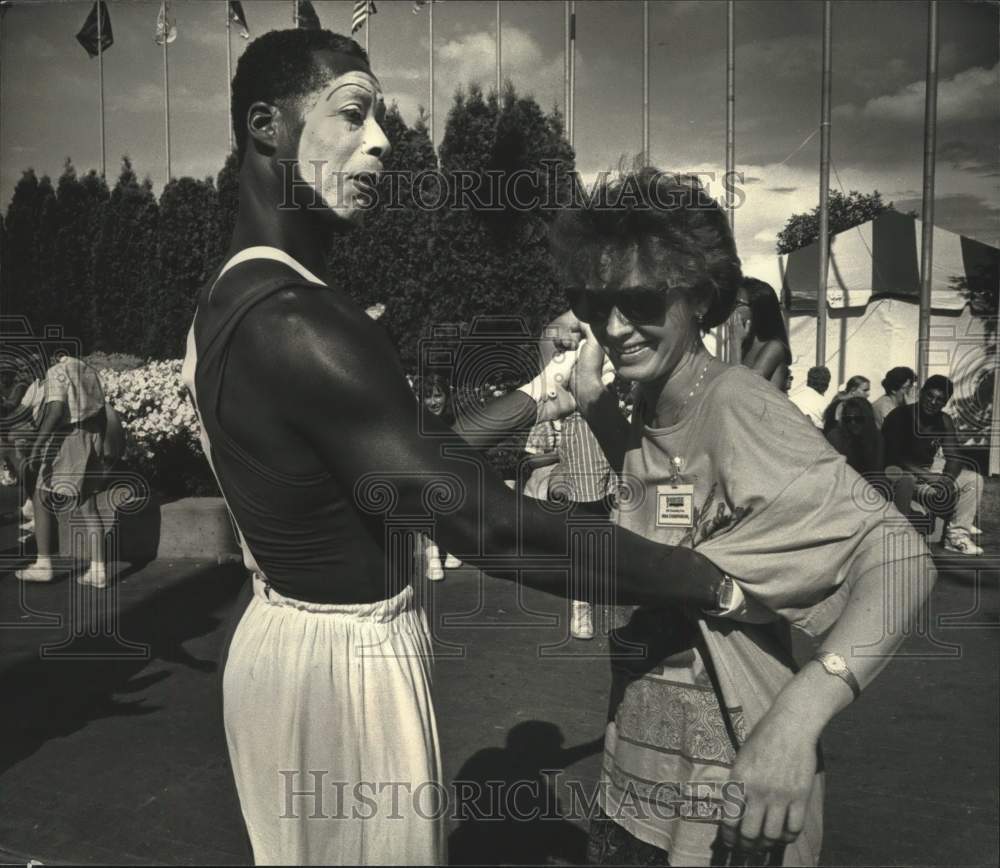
313 350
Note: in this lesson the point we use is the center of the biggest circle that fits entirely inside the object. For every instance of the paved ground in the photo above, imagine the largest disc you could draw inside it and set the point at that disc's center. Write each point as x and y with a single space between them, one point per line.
121 760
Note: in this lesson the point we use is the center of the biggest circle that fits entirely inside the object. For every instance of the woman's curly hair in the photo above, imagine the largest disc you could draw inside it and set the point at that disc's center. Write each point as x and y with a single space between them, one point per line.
679 233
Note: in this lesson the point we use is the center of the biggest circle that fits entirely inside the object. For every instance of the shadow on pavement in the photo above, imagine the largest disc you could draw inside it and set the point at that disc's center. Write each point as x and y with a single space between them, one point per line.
511 814
56 697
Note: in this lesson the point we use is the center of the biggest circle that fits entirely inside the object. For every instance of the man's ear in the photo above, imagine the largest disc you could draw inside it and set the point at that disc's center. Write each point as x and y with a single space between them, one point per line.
262 125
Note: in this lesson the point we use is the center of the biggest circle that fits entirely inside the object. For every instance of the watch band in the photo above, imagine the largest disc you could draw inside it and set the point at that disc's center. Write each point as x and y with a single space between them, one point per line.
836 665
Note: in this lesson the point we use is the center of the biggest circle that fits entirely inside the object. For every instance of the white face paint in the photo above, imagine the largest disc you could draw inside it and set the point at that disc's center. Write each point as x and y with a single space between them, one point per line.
342 143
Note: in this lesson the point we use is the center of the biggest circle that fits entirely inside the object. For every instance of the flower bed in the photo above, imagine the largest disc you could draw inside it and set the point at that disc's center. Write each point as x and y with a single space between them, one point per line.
163 430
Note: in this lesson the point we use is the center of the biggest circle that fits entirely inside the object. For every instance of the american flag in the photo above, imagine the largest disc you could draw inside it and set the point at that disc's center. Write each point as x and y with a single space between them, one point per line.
420 4
362 9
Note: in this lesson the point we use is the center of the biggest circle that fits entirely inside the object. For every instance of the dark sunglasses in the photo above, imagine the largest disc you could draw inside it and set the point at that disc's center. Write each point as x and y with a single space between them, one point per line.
641 305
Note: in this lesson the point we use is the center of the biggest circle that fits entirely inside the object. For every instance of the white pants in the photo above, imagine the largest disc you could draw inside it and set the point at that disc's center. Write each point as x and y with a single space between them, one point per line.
331 732
969 485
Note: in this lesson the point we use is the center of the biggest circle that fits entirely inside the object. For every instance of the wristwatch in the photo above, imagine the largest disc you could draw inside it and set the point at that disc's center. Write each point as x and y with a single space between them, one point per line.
836 665
724 598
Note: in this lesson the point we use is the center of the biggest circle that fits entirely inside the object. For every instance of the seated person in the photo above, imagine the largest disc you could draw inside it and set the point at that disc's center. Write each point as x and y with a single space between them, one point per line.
856 387
898 383
922 460
857 438
811 399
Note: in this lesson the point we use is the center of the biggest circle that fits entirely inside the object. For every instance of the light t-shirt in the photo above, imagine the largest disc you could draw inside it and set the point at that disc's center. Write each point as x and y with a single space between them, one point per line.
812 403
777 508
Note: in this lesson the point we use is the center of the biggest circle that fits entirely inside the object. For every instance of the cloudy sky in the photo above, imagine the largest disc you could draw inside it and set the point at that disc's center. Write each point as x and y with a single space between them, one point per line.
49 100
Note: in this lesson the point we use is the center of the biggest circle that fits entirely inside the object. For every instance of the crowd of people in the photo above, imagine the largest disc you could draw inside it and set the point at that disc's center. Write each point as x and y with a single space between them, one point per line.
905 444
725 547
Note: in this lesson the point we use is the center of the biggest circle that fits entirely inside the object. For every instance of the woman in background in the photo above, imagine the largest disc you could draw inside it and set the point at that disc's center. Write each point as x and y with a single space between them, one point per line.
764 348
435 398
856 387
67 465
858 439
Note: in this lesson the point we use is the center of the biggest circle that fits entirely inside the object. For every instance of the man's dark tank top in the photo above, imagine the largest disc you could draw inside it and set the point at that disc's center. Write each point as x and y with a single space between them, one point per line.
301 533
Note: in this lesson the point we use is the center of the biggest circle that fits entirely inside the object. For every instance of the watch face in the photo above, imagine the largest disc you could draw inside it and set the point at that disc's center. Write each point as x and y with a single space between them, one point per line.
835 663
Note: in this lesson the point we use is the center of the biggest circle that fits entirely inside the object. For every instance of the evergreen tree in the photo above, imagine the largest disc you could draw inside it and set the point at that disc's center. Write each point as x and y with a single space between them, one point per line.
30 212
125 259
228 184
186 242
79 207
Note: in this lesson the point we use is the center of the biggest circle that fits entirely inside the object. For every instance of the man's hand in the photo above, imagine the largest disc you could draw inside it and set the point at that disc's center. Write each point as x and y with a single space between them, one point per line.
776 766
563 334
587 382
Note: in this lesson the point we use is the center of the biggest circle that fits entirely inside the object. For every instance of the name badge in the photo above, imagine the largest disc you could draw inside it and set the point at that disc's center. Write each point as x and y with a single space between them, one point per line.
675 505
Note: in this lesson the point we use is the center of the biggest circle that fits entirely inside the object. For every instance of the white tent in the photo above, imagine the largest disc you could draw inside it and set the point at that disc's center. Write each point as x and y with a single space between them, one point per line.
873 308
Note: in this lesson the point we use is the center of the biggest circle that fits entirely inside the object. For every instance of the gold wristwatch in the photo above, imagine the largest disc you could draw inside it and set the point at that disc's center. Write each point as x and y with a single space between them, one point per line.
836 665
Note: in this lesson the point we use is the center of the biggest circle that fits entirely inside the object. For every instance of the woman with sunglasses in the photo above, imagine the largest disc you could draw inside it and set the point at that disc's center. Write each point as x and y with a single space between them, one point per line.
712 744
764 342
856 387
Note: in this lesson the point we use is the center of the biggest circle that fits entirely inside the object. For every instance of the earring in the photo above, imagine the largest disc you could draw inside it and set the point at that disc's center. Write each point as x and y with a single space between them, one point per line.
700 317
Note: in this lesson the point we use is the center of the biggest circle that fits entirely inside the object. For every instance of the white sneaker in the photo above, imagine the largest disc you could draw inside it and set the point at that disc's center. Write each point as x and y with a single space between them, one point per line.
975 531
36 572
452 563
28 510
432 557
94 577
581 625
961 544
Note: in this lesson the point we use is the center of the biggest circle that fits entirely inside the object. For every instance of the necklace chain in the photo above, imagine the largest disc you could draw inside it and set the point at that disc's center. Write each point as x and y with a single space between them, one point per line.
694 388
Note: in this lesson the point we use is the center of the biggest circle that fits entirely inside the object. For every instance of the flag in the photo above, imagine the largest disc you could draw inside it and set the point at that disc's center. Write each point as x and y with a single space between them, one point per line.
166 29
420 4
87 37
362 9
237 15
306 17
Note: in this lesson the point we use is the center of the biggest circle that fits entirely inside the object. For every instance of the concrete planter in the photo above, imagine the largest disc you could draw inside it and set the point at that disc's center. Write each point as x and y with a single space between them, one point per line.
192 527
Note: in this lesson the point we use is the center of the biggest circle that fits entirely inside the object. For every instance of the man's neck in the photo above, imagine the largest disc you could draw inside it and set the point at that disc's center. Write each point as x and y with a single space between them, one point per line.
262 222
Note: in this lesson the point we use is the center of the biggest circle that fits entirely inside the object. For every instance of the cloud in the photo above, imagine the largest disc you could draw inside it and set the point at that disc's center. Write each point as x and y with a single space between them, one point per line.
964 213
969 95
969 156
471 58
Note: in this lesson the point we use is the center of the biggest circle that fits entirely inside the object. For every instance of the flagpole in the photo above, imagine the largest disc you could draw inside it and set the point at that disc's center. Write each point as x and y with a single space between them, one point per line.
572 68
229 69
498 52
730 348
566 68
368 28
166 84
430 38
295 13
645 83
100 73
2 12
824 187
927 204
730 106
